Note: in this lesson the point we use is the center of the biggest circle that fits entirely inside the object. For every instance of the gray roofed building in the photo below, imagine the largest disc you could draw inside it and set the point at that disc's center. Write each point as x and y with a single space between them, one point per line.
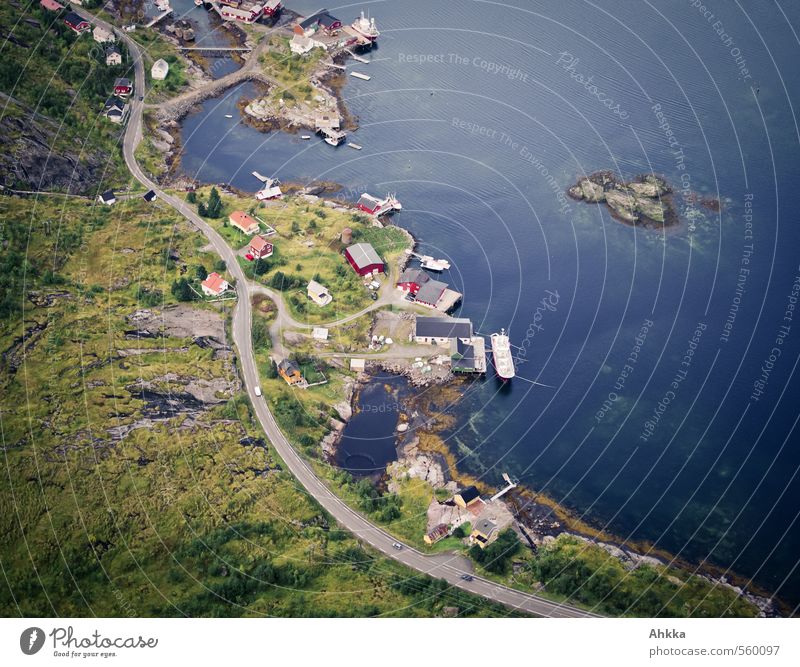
363 258
413 275
441 330
431 291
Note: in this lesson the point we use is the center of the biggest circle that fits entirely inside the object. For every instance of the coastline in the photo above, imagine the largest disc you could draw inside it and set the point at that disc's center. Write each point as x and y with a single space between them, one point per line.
539 520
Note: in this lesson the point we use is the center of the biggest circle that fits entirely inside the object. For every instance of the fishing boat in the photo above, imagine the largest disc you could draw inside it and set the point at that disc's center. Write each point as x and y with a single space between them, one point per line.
376 207
366 28
501 353
428 262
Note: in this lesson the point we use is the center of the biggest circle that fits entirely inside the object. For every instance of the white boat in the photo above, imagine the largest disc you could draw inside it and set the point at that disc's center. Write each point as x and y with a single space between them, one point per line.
355 146
428 262
305 137
333 137
501 352
366 28
359 75
199 3
227 115
162 5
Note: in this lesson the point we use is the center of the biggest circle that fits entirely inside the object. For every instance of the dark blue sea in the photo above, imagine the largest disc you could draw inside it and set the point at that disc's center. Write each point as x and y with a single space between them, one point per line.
671 404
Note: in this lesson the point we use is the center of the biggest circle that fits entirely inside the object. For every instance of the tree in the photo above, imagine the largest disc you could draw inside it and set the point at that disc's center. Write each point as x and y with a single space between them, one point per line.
182 290
201 209
191 197
214 209
496 556
201 272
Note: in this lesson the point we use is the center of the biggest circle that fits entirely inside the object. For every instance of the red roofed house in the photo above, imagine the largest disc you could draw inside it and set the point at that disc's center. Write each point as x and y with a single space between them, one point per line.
364 259
52 5
214 284
243 222
411 280
260 248
272 7
123 87
77 23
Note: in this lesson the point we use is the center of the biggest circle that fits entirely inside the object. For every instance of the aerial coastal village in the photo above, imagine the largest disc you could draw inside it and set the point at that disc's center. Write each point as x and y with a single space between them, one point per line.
307 308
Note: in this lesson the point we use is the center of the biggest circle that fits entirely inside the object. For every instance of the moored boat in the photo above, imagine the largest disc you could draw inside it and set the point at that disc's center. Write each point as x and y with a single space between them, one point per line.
501 353
366 28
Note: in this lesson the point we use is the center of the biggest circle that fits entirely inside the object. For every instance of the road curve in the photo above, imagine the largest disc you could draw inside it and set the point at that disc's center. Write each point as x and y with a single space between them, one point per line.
351 520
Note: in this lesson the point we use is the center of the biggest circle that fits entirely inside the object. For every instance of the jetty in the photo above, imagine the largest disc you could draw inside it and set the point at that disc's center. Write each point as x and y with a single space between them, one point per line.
159 18
509 485
359 75
216 48
357 57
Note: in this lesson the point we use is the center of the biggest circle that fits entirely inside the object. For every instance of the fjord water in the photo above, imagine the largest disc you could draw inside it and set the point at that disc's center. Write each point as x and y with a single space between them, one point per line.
479 116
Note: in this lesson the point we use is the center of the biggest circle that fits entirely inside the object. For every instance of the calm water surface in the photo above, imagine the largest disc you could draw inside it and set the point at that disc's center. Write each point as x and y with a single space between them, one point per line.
479 116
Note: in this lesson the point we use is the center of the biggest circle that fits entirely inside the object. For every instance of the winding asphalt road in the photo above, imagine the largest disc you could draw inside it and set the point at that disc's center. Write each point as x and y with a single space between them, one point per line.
442 566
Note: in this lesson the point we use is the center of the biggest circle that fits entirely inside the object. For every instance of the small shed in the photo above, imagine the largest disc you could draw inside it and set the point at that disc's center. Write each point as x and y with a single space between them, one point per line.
108 198
318 293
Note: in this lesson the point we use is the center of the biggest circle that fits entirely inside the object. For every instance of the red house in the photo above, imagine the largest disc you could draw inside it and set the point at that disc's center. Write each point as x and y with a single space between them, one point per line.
322 20
364 259
272 8
260 248
412 279
77 23
123 87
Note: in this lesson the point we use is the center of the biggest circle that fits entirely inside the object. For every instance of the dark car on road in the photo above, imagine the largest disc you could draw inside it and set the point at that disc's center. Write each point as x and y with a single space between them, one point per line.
467 577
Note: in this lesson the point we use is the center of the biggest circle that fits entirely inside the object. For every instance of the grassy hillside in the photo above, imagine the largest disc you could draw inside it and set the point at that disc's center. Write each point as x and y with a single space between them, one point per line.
190 512
47 72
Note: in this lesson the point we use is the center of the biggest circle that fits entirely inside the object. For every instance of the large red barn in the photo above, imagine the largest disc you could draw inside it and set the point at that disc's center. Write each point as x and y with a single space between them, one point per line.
364 259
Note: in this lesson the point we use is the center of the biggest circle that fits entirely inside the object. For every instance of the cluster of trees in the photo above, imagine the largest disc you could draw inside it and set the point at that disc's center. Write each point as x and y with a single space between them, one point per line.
497 556
213 209
282 281
182 290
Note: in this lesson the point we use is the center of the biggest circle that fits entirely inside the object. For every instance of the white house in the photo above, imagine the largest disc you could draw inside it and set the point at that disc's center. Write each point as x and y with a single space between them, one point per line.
318 293
113 56
160 69
214 285
300 44
103 36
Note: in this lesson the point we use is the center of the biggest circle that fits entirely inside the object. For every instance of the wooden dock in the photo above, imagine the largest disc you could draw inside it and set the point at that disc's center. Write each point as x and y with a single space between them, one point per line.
160 17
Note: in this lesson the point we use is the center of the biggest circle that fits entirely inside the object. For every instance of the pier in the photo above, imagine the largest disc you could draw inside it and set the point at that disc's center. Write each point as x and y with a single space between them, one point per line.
509 485
159 18
226 49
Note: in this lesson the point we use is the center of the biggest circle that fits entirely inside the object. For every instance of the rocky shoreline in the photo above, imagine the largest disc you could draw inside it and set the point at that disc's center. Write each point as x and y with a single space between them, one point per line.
538 522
